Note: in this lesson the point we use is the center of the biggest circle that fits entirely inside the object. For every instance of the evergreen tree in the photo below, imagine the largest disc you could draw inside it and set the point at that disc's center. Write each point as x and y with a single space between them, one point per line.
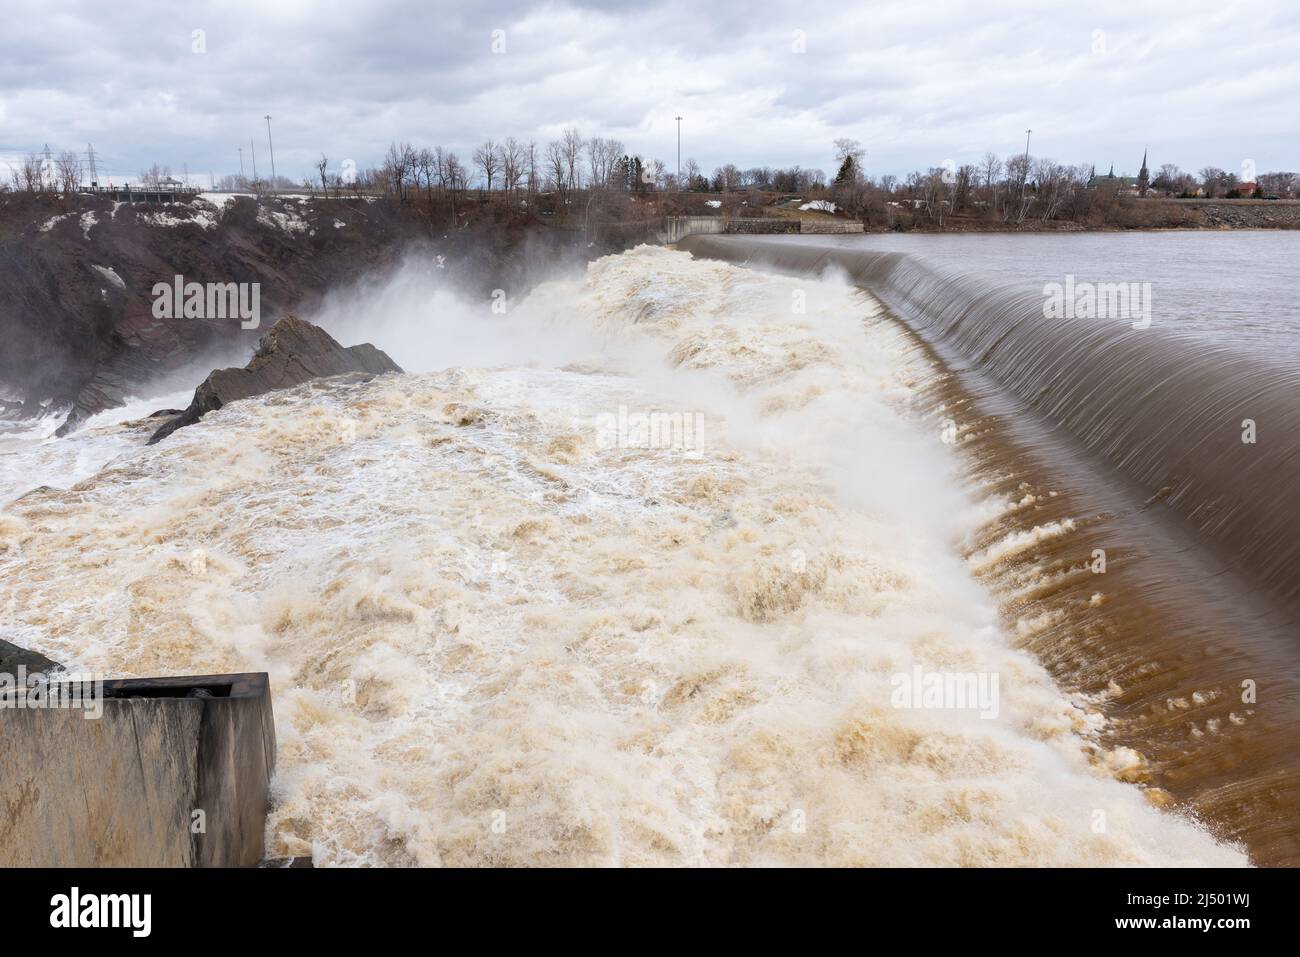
848 174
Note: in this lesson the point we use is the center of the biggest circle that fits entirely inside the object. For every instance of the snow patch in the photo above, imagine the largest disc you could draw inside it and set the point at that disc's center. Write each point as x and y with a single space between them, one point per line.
110 274
222 200
53 221
201 218
289 222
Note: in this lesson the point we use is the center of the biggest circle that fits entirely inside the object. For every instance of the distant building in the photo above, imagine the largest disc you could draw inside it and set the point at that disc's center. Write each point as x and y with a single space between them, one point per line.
1139 185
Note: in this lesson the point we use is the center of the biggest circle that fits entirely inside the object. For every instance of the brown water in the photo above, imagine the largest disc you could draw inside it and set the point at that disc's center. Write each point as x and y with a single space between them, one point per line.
500 630
1136 440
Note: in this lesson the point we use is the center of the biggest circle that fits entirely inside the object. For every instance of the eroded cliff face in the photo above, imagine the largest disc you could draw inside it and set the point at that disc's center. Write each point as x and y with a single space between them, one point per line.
77 279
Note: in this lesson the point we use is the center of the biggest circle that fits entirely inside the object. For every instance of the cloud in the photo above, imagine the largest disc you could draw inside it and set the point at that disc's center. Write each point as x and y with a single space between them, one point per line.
758 84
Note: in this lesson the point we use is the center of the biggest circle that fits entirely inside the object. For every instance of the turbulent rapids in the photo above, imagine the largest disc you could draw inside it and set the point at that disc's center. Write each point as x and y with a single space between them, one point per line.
507 624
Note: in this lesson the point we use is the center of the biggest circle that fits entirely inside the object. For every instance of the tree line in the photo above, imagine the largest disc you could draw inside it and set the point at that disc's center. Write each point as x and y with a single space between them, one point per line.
1007 189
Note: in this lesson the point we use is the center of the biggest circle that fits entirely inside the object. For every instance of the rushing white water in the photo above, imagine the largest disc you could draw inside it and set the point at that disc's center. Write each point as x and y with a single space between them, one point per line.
504 628
30 455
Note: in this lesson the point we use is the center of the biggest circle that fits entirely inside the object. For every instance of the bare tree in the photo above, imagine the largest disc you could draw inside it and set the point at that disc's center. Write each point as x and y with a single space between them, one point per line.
400 169
597 175
934 191
532 169
572 142
488 159
603 155
513 159
70 168
556 166
322 165
990 169
658 174
440 167
1055 187
426 164
29 177
1216 181
846 148
1017 180
692 173
726 178
989 173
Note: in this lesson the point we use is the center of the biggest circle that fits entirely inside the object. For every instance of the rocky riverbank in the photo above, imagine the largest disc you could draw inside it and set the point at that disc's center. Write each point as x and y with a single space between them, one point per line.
78 274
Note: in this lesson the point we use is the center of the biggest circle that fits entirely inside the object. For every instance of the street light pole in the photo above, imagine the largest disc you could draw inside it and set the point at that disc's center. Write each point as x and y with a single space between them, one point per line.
1025 179
679 152
272 146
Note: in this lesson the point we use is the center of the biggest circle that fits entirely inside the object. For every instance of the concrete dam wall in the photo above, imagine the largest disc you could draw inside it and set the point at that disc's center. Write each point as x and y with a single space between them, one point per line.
678 228
173 772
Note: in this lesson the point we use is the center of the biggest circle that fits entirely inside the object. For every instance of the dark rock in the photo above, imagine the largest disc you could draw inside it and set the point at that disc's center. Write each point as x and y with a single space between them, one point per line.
293 352
11 656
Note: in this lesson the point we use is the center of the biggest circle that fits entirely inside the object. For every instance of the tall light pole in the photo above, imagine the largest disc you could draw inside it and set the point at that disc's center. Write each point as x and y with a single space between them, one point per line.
679 152
253 148
241 162
272 146
1025 179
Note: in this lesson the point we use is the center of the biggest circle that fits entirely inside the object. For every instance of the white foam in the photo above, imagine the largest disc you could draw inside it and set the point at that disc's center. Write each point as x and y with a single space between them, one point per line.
496 639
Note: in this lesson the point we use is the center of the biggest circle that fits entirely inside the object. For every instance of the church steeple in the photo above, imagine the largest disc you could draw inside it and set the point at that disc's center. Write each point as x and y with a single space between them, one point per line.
1144 175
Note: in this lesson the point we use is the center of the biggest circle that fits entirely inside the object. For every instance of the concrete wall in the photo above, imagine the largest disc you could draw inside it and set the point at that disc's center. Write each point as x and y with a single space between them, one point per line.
762 226
829 226
121 790
679 227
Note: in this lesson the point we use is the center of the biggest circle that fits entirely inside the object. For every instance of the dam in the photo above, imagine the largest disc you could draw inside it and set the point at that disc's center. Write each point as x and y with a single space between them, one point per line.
506 626
1141 438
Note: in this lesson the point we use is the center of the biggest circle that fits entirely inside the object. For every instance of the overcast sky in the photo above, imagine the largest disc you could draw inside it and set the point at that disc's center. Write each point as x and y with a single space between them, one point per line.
918 82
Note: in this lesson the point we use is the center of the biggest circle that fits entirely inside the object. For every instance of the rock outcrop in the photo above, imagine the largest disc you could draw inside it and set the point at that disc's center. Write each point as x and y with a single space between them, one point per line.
11 657
77 278
294 351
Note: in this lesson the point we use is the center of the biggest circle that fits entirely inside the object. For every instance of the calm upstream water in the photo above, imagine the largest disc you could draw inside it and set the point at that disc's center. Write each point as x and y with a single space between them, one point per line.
1237 288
